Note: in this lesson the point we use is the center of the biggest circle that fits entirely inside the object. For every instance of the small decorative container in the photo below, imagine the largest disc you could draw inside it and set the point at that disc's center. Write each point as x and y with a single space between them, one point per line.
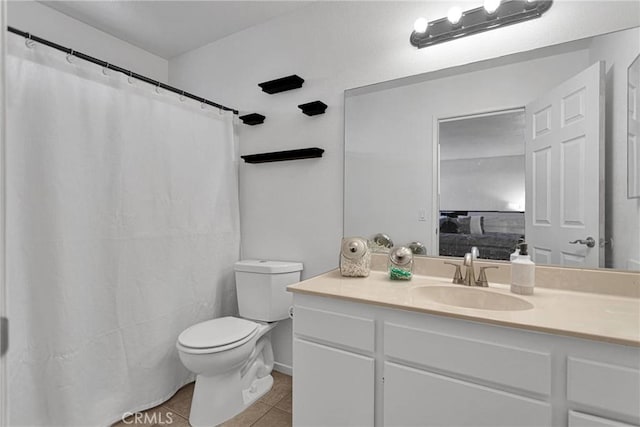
380 243
355 257
400 263
417 248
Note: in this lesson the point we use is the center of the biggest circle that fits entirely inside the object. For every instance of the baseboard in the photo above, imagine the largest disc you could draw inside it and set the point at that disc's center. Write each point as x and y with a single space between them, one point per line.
282 368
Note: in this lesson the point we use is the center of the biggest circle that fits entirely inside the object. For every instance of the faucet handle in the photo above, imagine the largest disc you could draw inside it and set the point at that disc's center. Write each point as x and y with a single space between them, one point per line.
457 276
482 277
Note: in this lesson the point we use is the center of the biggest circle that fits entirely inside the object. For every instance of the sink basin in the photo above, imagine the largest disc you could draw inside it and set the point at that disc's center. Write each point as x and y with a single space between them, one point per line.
470 298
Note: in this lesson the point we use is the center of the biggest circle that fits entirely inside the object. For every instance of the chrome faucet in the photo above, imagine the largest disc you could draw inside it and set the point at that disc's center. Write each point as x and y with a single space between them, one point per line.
469 274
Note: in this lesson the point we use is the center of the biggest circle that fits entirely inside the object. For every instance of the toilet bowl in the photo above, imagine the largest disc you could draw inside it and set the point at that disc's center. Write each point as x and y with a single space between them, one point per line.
232 356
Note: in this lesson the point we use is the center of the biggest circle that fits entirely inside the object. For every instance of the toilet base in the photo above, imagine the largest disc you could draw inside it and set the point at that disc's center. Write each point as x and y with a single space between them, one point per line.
258 389
219 398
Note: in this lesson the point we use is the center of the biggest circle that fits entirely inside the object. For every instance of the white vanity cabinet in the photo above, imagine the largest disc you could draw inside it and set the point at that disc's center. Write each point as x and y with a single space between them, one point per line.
358 364
335 368
449 379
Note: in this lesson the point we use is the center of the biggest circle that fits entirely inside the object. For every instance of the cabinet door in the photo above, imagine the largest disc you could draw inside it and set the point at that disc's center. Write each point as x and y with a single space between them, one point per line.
414 397
331 387
576 419
604 387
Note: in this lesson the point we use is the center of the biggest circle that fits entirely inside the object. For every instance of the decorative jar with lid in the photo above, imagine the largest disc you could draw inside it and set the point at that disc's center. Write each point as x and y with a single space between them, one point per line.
355 257
400 263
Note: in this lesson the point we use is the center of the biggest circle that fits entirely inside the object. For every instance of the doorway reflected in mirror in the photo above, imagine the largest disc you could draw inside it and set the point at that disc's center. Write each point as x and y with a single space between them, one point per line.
482 184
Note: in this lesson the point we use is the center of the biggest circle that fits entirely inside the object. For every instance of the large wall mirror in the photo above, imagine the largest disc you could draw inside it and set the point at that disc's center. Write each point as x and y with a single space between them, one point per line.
532 145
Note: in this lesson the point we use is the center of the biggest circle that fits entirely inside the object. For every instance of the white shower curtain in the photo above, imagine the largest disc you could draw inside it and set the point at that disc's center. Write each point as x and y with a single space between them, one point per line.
123 227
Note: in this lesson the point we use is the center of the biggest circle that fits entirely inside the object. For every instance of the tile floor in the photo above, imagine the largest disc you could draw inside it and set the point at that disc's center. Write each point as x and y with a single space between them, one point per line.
271 410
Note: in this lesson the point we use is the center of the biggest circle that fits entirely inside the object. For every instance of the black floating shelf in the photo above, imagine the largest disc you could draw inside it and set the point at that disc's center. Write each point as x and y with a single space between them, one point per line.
280 85
313 108
280 156
252 119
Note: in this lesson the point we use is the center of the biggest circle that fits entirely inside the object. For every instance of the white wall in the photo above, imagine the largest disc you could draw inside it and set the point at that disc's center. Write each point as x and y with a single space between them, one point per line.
294 210
482 162
52 25
484 184
623 215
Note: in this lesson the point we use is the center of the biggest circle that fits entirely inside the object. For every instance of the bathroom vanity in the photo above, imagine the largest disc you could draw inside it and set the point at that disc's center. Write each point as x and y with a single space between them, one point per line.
375 352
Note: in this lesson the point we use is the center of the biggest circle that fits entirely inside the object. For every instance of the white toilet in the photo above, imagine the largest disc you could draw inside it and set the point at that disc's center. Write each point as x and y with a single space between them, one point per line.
232 356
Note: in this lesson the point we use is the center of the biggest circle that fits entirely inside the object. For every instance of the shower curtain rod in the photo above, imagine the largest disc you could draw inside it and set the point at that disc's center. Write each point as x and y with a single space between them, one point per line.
109 66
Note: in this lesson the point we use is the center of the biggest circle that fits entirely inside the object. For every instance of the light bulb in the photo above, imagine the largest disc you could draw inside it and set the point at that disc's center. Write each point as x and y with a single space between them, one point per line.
421 24
491 5
454 15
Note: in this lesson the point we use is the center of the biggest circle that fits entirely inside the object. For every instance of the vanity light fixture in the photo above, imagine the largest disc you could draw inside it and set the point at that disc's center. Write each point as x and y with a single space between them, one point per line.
490 6
493 14
420 26
454 15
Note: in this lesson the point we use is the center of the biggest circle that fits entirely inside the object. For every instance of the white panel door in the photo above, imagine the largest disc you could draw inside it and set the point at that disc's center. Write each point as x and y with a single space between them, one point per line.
564 157
331 387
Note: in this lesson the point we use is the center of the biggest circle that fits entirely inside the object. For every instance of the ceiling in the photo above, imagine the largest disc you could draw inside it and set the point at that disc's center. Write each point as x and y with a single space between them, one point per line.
171 28
489 135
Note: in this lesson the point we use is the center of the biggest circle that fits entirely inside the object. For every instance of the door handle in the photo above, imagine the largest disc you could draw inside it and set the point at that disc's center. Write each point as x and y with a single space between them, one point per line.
588 242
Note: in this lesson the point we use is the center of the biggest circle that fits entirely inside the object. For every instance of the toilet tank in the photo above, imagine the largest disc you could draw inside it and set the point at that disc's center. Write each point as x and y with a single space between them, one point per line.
262 288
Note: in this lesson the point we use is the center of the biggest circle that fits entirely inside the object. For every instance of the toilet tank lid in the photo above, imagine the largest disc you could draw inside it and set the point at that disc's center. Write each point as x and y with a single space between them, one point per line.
267 267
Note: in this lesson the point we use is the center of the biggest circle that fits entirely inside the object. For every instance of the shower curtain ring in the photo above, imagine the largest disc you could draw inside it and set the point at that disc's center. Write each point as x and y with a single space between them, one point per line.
203 105
130 78
70 57
105 69
158 88
29 42
182 96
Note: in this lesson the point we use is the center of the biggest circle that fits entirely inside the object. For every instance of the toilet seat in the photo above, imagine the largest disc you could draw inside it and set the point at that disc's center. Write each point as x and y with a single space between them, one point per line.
213 336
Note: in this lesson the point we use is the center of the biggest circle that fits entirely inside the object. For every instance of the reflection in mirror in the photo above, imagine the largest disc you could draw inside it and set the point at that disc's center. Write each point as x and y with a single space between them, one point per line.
482 184
633 126
392 163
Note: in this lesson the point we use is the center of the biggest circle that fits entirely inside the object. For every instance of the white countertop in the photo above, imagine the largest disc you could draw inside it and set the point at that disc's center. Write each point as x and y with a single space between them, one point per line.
610 318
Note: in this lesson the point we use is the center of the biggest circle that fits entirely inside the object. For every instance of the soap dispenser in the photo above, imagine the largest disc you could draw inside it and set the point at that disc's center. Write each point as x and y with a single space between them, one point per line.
516 252
523 273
